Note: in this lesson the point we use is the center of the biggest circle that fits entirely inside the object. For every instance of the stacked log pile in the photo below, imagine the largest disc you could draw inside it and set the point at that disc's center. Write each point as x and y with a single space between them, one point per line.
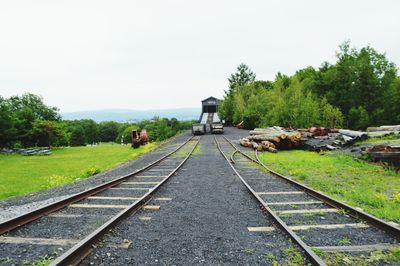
383 131
272 139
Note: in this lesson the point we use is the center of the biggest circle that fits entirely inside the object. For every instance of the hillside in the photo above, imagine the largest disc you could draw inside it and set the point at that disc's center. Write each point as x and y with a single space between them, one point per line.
123 115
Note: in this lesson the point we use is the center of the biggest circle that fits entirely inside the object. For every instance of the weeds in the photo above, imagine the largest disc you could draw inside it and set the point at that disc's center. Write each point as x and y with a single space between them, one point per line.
344 241
357 183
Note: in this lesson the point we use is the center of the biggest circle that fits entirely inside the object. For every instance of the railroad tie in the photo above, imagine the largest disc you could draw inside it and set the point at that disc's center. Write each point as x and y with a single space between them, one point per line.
112 198
382 246
140 183
37 241
279 193
100 206
151 207
130 188
306 211
307 227
294 202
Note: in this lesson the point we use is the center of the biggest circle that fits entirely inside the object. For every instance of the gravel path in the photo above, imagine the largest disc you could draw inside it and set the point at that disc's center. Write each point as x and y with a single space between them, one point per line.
206 222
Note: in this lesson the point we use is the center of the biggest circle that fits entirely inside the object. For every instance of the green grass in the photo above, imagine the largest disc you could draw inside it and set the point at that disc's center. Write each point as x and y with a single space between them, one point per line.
389 257
21 175
360 184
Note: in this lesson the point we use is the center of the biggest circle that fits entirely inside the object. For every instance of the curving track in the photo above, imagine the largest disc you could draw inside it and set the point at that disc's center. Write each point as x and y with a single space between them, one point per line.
314 221
75 223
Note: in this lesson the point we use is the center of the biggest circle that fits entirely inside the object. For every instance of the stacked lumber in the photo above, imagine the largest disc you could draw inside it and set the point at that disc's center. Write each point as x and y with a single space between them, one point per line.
272 139
383 131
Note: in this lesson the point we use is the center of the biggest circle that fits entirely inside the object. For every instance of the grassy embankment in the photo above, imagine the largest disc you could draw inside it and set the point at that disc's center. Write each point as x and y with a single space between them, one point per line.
21 175
361 184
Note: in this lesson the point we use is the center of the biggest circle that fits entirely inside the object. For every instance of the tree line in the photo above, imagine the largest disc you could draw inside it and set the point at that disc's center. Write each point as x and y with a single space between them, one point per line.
25 121
360 89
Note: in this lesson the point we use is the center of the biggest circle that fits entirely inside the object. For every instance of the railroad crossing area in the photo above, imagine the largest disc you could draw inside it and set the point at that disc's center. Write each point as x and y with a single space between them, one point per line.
198 200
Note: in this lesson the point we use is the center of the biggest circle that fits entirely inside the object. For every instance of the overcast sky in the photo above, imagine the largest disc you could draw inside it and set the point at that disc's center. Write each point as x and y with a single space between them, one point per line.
83 55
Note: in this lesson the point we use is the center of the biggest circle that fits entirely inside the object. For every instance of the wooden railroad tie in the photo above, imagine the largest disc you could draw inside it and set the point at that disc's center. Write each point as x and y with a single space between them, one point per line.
307 227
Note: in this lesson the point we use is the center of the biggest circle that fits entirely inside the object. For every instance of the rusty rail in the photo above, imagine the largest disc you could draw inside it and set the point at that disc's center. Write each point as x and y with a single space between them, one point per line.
78 252
25 218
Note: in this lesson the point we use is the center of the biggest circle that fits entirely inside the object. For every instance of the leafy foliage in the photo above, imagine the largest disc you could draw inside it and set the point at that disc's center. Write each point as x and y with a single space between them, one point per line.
361 89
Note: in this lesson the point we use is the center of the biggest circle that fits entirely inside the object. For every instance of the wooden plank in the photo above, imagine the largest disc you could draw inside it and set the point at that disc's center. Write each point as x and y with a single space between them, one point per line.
101 206
279 193
163 199
306 227
152 207
261 229
307 211
112 198
37 241
327 226
382 246
141 183
162 170
294 203
64 215
150 176
130 188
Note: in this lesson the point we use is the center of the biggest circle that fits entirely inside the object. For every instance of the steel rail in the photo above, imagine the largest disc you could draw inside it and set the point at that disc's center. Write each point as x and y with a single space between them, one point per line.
25 218
314 258
358 214
78 252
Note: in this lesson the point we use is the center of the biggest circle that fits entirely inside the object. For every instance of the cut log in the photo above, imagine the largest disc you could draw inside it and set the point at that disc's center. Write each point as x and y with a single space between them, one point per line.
384 128
353 134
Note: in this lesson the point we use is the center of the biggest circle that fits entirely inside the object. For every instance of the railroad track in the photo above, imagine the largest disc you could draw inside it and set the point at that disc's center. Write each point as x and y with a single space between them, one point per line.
76 223
314 221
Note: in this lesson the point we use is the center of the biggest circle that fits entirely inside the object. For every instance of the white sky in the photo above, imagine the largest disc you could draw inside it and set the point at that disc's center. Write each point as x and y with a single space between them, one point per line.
82 55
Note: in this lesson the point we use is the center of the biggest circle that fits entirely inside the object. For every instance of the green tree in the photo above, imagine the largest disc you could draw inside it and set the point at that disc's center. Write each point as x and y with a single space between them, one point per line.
108 131
77 137
48 133
241 77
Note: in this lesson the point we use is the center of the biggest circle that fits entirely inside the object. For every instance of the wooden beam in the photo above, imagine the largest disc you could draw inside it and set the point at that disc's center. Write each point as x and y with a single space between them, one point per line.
383 246
151 207
307 211
112 198
37 241
294 202
141 183
101 206
279 193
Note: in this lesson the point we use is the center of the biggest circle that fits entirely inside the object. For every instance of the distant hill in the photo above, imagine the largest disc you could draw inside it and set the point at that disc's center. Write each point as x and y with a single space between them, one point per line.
126 115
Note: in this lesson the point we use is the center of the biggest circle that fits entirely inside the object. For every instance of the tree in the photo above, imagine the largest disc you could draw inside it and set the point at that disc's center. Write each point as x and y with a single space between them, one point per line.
77 137
241 77
48 133
108 131
360 78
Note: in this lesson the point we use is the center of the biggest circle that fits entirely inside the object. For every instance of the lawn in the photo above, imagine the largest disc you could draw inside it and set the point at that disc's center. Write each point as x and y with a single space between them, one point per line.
358 183
21 175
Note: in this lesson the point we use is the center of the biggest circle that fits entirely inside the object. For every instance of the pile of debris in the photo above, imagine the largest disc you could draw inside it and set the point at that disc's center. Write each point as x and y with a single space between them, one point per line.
28 152
388 154
314 138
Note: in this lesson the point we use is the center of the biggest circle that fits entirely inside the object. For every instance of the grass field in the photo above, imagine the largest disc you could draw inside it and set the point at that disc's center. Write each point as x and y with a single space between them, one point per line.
358 183
20 174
